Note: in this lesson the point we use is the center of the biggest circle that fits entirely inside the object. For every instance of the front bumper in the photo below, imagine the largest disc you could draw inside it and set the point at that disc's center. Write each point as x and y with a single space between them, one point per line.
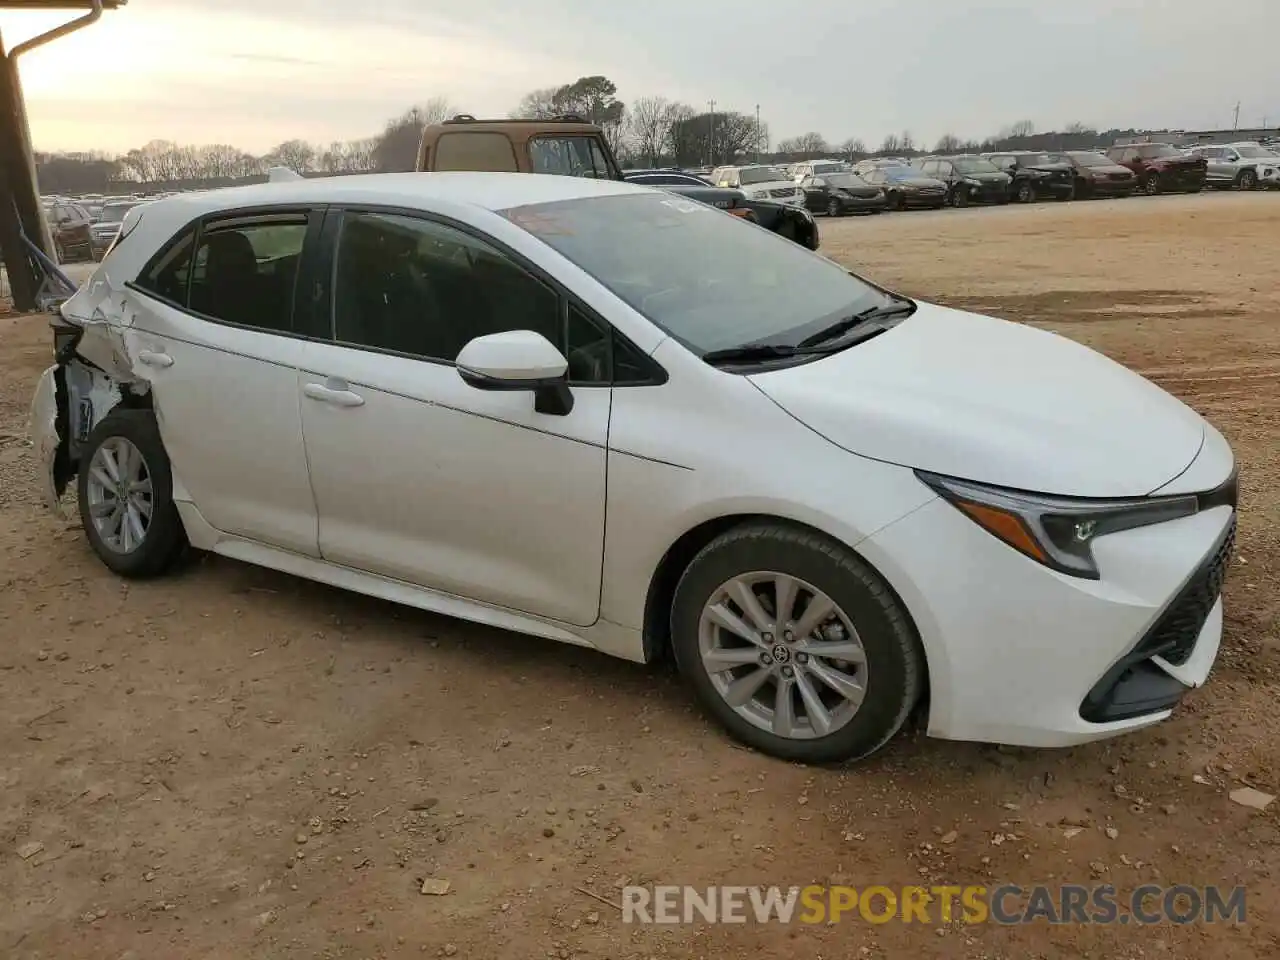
921 199
1108 186
1020 654
1183 179
862 204
43 430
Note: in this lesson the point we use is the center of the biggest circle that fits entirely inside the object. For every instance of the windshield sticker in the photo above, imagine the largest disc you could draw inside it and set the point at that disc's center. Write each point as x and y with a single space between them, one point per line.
538 223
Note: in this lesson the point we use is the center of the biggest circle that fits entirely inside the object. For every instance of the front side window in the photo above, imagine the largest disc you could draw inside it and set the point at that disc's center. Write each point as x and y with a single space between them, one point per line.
975 165
245 272
425 289
650 251
751 175
579 156
168 275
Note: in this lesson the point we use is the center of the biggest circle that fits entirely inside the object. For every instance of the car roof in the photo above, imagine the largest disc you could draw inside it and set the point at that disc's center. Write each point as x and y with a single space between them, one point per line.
488 191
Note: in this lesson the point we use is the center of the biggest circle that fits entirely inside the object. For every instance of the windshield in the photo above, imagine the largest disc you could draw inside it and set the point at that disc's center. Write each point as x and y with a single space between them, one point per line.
975 165
1157 151
760 175
114 212
1038 160
831 166
1254 153
844 180
651 251
901 173
1092 160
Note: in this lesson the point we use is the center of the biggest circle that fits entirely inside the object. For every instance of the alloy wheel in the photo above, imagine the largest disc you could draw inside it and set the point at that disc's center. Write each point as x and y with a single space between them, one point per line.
783 655
120 496
1248 180
833 208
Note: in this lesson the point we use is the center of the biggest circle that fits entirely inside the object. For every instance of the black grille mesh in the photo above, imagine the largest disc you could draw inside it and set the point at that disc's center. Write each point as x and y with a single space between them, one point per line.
1174 634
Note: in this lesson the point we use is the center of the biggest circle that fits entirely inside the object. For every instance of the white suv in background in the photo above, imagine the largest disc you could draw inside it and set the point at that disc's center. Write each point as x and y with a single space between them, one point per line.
760 182
1243 165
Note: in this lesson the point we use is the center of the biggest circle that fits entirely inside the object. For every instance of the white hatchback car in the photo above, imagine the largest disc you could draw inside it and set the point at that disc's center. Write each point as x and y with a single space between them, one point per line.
600 413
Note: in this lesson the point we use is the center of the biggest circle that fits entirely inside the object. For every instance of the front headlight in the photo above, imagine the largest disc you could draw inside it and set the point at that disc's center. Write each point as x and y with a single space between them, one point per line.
1056 531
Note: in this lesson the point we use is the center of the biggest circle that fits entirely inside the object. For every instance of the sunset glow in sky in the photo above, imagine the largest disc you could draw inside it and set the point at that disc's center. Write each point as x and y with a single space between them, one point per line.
262 71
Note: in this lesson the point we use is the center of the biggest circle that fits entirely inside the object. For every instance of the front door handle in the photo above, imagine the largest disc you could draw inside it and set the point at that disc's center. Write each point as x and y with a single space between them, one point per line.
154 359
338 396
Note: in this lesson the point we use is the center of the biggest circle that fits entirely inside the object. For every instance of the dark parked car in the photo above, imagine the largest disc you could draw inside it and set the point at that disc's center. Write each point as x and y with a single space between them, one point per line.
1160 167
839 193
107 225
969 179
1036 175
70 225
783 219
906 187
1097 175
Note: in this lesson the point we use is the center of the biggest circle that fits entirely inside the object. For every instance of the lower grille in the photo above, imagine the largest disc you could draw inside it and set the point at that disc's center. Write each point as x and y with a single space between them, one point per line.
1174 634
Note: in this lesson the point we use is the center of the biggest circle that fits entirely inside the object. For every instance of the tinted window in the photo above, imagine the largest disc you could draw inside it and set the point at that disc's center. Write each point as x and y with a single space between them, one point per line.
426 289
650 251
569 156
475 150
245 273
167 275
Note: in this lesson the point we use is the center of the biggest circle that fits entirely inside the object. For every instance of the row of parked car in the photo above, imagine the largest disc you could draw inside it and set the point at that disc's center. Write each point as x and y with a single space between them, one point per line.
836 187
85 227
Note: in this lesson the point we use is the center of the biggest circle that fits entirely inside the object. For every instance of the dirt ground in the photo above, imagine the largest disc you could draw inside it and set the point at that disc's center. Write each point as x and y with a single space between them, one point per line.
233 763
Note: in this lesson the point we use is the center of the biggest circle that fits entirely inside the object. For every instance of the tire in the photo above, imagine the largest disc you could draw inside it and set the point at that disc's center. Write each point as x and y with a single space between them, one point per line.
833 208
1026 193
898 202
1195 189
892 665
1068 196
786 229
164 540
1151 184
1248 180
960 196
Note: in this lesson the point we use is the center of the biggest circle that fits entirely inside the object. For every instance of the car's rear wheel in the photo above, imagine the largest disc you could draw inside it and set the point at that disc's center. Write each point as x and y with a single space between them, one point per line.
960 195
1151 184
897 201
1248 180
833 208
795 645
126 496
1026 193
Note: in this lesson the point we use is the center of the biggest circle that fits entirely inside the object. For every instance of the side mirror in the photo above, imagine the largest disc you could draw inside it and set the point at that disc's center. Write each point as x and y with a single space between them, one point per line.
519 360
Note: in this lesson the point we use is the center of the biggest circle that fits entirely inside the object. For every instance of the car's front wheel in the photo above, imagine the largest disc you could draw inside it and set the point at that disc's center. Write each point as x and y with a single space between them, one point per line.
1151 184
126 496
833 208
1248 180
795 645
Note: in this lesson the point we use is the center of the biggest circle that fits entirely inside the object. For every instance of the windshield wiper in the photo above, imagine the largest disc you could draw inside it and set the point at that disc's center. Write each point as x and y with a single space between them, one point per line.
817 343
899 308
748 352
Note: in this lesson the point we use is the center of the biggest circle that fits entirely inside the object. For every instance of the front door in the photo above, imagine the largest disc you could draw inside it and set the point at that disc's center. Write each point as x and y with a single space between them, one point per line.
419 476
213 333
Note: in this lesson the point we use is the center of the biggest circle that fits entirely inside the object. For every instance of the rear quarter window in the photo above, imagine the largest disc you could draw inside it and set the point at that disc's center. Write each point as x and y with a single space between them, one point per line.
480 150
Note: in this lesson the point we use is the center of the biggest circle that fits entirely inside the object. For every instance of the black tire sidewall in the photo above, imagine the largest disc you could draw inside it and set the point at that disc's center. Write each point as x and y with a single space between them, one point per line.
165 535
894 663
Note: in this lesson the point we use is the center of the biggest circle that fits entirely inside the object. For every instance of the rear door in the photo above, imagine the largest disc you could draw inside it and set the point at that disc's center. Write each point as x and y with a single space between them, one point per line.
219 327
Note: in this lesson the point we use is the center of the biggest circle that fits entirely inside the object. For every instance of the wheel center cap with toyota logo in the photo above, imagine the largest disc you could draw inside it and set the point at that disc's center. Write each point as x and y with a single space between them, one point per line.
781 653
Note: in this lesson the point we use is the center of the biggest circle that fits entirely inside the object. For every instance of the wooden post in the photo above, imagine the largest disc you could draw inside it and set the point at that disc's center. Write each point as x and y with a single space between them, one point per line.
19 197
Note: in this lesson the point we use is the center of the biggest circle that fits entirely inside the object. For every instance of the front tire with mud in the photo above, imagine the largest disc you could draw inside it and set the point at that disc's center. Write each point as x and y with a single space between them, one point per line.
126 496
795 645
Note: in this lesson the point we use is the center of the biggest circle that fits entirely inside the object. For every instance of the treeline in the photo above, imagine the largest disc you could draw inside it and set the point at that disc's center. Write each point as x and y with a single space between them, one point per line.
650 131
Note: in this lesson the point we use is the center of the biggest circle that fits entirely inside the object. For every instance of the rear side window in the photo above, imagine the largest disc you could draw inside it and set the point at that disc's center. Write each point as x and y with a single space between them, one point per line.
475 150
569 156
245 272
168 275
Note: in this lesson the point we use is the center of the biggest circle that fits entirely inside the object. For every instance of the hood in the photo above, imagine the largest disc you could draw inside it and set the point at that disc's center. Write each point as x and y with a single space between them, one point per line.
861 192
995 176
1109 169
790 186
1049 167
982 399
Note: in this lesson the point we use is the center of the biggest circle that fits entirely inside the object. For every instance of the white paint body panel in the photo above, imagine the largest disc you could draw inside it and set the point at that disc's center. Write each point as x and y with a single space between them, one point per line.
467 502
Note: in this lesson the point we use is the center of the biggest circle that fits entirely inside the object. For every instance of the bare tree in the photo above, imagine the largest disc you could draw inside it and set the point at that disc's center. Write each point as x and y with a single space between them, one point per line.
397 148
649 122
537 104
853 145
891 144
908 144
1023 128
947 143
809 144
297 155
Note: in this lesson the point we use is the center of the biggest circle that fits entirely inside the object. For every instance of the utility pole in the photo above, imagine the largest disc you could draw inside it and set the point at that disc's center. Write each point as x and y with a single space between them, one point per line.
757 133
1235 123
711 133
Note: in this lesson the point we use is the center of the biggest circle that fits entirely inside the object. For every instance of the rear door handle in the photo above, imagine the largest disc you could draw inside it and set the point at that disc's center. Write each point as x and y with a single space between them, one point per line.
338 395
153 359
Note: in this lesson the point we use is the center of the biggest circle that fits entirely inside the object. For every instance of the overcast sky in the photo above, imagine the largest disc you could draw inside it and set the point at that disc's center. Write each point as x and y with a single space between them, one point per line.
261 71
